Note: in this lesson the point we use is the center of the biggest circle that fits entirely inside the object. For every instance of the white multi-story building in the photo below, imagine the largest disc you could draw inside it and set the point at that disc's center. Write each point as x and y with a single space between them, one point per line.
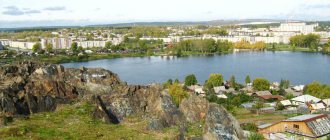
296 27
89 44
22 45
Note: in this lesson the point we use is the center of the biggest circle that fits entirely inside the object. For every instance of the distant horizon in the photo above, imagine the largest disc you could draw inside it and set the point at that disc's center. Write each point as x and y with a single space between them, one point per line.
68 23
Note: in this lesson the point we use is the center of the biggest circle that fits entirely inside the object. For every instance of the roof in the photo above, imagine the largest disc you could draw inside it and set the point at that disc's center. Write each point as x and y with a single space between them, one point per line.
306 98
264 125
262 93
326 101
267 108
266 97
222 96
318 106
305 118
219 89
286 102
193 87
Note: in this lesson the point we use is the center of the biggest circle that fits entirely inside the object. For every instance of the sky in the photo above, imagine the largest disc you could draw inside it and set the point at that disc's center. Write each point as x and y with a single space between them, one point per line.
15 13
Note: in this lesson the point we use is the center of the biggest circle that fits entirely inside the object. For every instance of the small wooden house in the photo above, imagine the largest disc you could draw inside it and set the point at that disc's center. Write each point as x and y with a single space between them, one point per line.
311 125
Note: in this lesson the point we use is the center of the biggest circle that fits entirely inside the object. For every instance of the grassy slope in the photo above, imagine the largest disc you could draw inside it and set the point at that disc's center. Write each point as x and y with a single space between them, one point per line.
75 122
70 122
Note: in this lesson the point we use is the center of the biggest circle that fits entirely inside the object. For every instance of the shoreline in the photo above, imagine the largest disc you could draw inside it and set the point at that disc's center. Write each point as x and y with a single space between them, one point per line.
60 59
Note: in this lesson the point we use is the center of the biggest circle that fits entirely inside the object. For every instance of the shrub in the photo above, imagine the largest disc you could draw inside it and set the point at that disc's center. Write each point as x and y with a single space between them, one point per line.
190 80
261 84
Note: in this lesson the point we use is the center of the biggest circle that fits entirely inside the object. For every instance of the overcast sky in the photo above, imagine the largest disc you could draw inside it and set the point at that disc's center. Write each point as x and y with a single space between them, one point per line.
81 12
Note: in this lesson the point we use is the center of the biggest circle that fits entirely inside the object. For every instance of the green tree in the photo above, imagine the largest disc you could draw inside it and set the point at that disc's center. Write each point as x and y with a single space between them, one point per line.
190 80
177 93
36 47
80 49
261 84
177 81
49 47
259 104
214 81
74 47
108 45
318 90
232 81
247 79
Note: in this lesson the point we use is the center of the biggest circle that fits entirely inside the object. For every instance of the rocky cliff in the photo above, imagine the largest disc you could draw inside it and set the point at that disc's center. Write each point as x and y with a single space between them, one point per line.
30 87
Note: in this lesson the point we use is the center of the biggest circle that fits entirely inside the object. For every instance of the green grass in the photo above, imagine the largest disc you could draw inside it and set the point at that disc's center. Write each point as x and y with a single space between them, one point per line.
70 122
245 116
74 122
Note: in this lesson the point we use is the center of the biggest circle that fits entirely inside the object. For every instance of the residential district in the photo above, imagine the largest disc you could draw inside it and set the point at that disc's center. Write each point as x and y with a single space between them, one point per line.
274 110
63 38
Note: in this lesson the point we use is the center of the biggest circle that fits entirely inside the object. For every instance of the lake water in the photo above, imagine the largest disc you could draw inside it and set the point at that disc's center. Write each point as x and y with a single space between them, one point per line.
298 67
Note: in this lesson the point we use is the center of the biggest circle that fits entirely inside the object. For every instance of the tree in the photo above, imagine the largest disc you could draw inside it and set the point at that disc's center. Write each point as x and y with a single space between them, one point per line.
259 104
232 81
108 45
80 49
284 84
74 47
214 81
177 93
318 90
36 47
49 47
259 45
261 84
190 80
247 79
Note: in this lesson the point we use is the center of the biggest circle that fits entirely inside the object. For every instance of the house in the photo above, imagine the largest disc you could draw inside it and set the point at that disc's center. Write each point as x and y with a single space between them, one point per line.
247 105
303 99
298 88
316 107
196 88
262 93
326 103
267 110
311 125
286 103
271 97
223 96
294 93
219 89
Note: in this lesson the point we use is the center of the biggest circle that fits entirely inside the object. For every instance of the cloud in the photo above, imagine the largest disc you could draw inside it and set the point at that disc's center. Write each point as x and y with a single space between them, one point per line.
15 11
32 12
57 8
317 6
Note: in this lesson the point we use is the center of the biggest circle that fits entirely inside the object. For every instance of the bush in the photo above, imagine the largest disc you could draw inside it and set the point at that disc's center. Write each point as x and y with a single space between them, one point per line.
261 84
250 127
190 80
177 93
256 136
214 81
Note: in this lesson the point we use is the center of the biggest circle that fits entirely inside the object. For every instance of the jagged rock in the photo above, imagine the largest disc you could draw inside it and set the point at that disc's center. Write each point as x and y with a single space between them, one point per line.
194 108
31 87
221 125
101 112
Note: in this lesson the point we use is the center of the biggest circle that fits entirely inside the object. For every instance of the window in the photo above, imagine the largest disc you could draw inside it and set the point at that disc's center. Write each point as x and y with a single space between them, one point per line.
296 126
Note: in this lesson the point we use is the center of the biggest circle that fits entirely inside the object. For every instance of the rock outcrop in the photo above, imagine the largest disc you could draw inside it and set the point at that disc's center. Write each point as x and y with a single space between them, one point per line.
31 87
